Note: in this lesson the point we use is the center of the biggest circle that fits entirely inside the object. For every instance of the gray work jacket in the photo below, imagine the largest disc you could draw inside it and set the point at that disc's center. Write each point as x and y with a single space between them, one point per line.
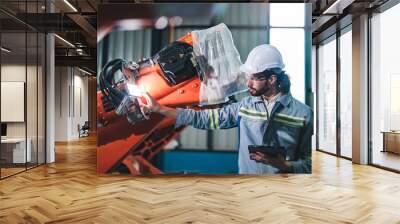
289 125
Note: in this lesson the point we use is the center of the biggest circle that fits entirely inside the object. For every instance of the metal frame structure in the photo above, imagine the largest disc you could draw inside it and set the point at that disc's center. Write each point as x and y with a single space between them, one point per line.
341 23
28 27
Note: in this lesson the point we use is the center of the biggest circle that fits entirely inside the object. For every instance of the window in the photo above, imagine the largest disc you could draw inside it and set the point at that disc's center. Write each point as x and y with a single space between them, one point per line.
327 96
385 88
287 34
279 15
346 94
290 43
22 66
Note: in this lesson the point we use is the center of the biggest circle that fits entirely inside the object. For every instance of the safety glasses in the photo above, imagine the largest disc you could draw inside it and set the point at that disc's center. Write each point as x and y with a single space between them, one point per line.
261 76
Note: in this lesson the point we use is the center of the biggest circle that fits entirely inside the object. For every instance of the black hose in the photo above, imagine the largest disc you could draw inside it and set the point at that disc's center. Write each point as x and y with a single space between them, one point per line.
106 81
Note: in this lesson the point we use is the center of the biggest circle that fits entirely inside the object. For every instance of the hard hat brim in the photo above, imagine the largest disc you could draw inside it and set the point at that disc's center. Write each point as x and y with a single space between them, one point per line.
246 69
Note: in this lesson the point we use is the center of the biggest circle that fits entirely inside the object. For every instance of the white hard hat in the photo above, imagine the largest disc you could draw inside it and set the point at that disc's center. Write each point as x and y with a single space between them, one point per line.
262 57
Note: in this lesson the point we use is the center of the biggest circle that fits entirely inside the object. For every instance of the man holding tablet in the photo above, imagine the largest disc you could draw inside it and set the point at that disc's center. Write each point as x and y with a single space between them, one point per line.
275 129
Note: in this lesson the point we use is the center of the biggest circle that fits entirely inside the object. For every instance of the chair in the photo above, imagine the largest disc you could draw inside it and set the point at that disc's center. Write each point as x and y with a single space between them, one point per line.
84 130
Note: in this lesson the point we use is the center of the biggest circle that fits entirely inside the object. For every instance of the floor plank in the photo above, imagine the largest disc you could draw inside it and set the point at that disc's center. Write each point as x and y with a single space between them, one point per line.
70 191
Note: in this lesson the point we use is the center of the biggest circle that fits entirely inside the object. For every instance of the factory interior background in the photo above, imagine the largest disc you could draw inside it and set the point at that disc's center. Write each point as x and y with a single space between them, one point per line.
121 35
341 56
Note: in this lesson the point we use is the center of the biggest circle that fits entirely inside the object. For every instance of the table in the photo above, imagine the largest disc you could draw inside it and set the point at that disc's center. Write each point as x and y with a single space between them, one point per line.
391 141
13 150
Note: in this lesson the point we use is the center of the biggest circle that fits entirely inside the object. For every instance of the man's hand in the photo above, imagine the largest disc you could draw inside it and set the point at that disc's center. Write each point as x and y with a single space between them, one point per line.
150 106
277 162
153 106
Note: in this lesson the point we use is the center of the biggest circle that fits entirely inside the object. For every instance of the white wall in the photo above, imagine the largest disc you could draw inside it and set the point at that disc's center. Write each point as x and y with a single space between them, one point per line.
16 73
61 103
33 126
12 73
71 94
80 100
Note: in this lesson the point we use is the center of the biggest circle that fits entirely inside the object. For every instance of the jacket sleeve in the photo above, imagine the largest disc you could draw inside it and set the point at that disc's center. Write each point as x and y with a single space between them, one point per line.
221 118
303 162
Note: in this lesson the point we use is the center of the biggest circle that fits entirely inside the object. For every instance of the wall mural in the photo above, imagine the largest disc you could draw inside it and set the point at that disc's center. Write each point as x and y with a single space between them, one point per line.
164 67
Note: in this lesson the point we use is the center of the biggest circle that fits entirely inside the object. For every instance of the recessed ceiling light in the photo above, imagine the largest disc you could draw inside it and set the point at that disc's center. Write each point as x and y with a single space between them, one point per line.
84 71
70 5
65 41
176 21
337 7
5 50
161 23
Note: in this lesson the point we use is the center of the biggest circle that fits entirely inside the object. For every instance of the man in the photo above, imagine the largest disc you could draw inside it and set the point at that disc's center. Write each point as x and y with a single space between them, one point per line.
270 116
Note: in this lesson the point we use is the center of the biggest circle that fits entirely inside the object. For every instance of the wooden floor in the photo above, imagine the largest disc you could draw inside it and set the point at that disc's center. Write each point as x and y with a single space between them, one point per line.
10 171
70 191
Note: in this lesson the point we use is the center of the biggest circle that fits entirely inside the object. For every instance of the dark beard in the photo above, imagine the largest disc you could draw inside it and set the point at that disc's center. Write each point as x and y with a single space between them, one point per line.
260 92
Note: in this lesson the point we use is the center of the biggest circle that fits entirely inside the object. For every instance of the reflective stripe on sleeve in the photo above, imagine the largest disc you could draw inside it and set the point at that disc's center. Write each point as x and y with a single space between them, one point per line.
216 118
252 114
289 118
211 118
295 123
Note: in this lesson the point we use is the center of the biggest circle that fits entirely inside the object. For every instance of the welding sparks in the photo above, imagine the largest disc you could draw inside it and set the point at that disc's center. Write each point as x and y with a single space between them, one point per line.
135 90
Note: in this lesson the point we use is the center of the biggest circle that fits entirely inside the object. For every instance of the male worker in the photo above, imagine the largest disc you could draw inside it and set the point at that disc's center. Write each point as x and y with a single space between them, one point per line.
270 116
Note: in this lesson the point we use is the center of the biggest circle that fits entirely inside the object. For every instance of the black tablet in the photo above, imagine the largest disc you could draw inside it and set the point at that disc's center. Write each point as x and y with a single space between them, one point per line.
273 151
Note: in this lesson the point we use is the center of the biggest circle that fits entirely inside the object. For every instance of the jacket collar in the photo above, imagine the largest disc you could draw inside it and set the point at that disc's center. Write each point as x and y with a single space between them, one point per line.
284 99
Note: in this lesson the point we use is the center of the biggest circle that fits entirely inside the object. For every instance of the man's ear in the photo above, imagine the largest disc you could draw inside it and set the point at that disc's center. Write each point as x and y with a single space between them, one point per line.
272 79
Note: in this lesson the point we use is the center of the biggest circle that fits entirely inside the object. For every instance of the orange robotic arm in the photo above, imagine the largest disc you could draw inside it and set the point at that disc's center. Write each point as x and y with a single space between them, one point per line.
125 136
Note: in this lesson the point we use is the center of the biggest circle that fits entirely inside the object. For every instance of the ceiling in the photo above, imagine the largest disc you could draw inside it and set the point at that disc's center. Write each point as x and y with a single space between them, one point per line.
76 22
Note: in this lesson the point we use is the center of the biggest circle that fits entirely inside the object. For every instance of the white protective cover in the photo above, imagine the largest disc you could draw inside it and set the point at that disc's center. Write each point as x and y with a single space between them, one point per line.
223 77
